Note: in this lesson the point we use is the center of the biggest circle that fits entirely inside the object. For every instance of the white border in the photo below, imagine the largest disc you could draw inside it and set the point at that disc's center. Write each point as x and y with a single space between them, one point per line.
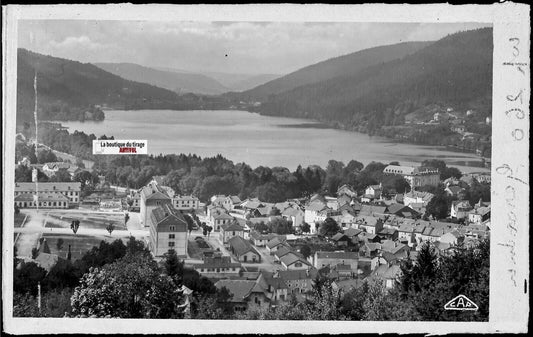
509 307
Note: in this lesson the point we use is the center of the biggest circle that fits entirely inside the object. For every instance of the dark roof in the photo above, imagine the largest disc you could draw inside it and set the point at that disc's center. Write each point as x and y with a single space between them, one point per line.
291 258
337 255
351 232
290 275
275 242
48 187
283 251
241 246
340 237
166 215
240 289
233 226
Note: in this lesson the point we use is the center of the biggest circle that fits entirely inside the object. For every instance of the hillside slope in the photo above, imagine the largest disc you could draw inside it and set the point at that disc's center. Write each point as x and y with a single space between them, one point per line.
345 65
455 71
172 80
67 89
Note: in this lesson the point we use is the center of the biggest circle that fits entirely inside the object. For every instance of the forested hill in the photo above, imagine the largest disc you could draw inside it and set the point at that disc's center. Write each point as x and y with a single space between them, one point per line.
455 71
344 65
171 80
69 89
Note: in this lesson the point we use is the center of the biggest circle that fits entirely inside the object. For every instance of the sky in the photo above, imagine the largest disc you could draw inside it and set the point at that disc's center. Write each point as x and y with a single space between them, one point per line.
229 47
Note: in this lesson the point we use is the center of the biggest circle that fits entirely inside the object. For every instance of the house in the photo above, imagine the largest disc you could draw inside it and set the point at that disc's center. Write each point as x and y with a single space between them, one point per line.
369 224
418 207
352 232
389 275
417 197
374 191
298 281
323 258
388 234
230 202
152 196
293 261
135 202
415 176
70 190
373 210
453 237
50 169
168 230
185 202
403 211
220 219
273 245
455 191
370 249
341 240
346 190
281 252
479 215
460 209
45 200
347 220
245 294
311 213
218 266
294 215
275 286
243 250
231 229
260 240
406 233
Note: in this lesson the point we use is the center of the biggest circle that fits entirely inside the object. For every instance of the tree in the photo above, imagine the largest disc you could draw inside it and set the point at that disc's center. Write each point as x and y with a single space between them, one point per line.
59 244
305 251
329 227
26 277
126 218
17 209
190 223
131 287
75 225
209 229
171 264
438 206
110 228
306 228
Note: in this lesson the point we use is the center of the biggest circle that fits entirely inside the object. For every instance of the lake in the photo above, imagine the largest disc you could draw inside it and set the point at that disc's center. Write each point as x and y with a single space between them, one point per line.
261 140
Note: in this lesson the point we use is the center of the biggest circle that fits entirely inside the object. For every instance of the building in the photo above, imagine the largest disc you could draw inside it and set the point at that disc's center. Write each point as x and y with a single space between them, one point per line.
389 275
414 197
245 294
243 250
220 219
50 169
298 281
218 266
152 197
460 209
479 215
260 240
168 230
369 224
231 229
70 190
322 259
45 200
415 176
185 202
276 243
346 190
374 191
293 261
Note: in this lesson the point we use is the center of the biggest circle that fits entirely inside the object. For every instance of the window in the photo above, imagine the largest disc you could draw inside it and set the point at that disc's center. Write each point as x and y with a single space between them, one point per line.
171 244
172 228
298 264
172 236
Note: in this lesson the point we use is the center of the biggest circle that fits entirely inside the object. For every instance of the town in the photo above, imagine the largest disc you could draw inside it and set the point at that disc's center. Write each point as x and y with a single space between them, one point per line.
263 254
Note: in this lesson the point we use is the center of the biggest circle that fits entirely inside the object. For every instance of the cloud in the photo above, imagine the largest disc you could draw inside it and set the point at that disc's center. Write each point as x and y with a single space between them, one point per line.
251 47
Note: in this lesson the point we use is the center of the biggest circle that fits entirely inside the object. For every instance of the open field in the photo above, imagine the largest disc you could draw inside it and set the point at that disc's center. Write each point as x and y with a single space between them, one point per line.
58 219
196 249
79 243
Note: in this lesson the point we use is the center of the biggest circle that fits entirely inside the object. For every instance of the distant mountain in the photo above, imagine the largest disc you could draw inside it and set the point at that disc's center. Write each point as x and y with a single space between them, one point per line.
339 66
454 71
180 82
67 89
252 82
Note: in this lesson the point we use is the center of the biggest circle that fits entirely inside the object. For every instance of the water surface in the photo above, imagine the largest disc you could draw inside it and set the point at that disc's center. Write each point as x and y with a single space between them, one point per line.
261 140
